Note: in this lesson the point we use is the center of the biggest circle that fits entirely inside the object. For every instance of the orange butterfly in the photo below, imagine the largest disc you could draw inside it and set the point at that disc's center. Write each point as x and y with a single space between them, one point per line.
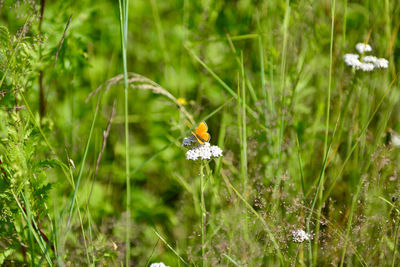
201 133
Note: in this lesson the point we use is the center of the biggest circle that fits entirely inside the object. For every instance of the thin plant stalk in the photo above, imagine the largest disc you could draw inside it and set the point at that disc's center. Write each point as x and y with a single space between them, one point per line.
244 130
348 227
29 222
344 23
266 96
38 237
203 214
358 137
231 260
281 128
74 197
76 187
253 113
283 80
328 107
395 242
170 247
264 223
123 11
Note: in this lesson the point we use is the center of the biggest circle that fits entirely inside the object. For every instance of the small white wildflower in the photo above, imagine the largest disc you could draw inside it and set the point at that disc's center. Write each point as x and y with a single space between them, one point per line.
188 141
72 163
352 60
367 66
381 63
160 264
361 47
205 151
378 62
370 59
216 152
395 139
367 63
299 236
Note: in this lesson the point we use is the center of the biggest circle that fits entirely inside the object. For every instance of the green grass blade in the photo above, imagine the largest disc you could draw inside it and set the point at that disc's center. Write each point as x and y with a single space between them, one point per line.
264 223
71 209
231 260
123 11
170 247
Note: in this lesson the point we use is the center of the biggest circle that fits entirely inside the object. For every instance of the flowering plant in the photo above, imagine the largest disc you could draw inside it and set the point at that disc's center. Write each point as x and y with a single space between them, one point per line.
367 63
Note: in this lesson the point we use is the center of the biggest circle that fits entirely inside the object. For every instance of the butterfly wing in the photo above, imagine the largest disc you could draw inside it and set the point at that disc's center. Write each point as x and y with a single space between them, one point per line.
201 142
201 133
202 128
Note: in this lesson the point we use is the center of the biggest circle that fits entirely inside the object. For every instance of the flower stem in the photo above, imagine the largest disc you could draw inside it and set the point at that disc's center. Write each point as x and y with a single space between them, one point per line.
395 243
123 14
203 213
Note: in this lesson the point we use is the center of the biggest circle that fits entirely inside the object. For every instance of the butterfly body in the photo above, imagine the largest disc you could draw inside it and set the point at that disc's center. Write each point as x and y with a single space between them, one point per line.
201 133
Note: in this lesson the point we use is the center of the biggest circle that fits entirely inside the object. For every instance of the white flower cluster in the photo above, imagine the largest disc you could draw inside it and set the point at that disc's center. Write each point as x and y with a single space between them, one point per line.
362 48
205 151
160 264
299 236
367 63
395 139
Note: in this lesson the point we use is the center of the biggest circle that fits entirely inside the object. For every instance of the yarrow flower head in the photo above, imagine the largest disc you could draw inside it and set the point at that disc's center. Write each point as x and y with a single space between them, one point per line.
370 59
381 63
299 236
199 147
205 151
367 63
352 60
361 47
395 139
160 264
366 66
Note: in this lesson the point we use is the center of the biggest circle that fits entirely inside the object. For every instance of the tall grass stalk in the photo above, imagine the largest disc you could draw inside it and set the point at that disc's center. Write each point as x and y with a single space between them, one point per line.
223 84
203 215
33 231
76 186
243 139
395 242
328 107
264 223
283 81
252 92
29 222
266 96
348 227
123 11
69 175
231 260
344 23
358 137
280 130
243 143
382 124
171 248
75 194
160 31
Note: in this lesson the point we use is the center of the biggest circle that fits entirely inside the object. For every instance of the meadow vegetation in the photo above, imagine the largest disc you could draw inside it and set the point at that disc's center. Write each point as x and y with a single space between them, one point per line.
97 97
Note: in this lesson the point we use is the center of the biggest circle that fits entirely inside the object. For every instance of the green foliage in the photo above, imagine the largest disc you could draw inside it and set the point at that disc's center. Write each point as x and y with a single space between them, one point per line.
23 174
259 73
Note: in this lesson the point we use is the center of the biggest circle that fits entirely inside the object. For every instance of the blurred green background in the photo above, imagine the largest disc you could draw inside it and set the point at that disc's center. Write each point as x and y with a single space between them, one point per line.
164 39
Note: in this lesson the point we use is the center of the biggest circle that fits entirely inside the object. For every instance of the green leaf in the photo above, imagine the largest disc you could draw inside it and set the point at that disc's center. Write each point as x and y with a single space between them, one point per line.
4 254
4 37
44 164
42 191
